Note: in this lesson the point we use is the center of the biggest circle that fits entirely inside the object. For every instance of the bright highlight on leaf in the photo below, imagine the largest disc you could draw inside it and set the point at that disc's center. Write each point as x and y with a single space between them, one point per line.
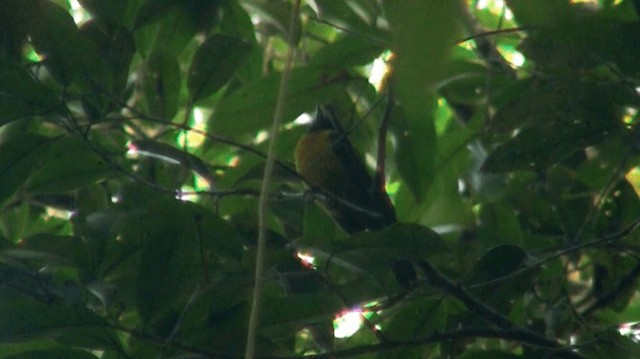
497 7
306 259
631 330
192 139
80 15
348 323
379 71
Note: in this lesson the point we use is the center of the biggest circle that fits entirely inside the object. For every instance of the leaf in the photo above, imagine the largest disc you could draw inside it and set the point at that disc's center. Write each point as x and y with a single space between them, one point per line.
170 154
588 117
168 265
415 153
53 354
173 25
416 84
27 319
51 249
69 164
346 52
117 48
161 81
535 13
416 319
500 263
214 63
24 281
167 261
537 148
251 107
343 15
371 254
18 158
106 12
525 102
182 243
299 310
400 240
194 15
488 354
496 263
277 15
584 43
500 225
21 95
69 55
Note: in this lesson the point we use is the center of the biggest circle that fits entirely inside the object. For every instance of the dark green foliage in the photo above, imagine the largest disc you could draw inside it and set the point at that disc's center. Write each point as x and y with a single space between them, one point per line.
132 146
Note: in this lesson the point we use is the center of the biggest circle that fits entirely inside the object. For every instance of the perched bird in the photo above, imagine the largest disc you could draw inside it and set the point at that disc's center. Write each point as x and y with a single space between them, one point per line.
356 200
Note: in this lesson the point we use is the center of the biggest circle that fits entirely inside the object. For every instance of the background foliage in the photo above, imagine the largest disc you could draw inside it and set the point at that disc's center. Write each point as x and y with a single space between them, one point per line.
132 138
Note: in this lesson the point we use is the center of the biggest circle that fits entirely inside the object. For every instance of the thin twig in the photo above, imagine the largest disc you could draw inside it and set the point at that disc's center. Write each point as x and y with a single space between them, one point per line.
254 317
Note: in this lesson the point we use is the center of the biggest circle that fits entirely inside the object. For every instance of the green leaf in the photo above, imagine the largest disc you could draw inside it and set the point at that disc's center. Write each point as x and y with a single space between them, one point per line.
525 102
496 263
537 148
344 15
177 22
106 12
214 63
51 248
416 319
346 52
499 225
27 319
117 48
161 81
53 354
500 264
415 153
415 83
21 95
488 354
18 158
535 13
298 310
69 55
277 15
251 107
372 254
69 164
587 117
182 244
168 264
400 240
585 43
24 281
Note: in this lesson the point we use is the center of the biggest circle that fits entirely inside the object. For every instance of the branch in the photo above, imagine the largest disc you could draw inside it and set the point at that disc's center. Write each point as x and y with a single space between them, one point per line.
510 335
603 240
473 304
625 283
254 316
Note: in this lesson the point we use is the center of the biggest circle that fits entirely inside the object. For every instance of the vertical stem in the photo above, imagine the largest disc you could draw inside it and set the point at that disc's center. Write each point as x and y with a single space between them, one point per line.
254 316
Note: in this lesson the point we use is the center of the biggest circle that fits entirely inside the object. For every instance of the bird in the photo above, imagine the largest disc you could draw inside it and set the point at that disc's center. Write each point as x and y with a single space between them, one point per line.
356 200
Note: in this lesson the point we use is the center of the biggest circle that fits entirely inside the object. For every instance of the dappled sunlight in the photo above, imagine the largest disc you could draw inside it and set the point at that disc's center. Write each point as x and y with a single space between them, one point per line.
347 323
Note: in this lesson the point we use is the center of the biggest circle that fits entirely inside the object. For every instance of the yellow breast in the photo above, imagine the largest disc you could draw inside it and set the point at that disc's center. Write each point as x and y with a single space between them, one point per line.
318 163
